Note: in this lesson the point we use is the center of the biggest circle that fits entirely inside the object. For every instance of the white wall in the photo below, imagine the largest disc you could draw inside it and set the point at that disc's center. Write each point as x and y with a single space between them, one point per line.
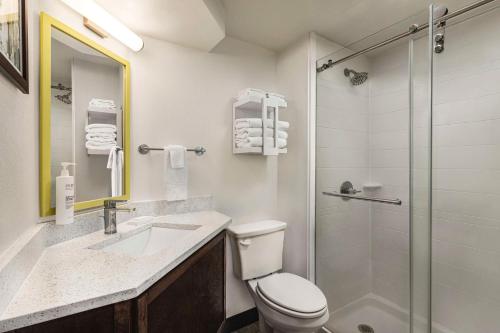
19 149
184 96
292 80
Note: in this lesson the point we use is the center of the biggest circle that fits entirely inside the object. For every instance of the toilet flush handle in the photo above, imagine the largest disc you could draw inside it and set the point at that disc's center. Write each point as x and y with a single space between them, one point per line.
246 242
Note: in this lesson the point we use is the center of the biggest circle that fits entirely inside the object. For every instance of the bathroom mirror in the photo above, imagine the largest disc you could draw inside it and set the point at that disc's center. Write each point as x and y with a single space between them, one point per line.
84 117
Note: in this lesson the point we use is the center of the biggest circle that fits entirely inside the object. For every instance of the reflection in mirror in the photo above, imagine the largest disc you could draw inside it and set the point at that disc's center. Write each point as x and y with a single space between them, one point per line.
86 118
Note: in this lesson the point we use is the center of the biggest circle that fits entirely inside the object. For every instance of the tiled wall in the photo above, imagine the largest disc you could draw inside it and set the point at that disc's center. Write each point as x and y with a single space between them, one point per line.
389 166
343 228
466 223
466 177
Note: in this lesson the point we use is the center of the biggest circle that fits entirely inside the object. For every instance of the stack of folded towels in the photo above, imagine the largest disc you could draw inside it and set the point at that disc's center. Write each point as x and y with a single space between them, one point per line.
248 132
102 105
100 136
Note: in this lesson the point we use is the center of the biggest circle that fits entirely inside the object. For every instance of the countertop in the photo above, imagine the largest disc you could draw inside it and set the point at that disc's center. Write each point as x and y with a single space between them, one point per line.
70 278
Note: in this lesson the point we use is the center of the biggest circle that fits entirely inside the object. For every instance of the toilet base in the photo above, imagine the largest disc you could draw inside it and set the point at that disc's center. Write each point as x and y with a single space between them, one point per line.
272 321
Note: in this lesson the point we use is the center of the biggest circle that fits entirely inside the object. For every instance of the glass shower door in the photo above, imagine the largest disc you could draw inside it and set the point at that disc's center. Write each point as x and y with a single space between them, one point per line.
466 174
363 247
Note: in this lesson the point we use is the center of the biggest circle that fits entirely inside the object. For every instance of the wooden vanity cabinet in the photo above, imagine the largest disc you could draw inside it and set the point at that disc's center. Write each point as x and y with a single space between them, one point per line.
189 299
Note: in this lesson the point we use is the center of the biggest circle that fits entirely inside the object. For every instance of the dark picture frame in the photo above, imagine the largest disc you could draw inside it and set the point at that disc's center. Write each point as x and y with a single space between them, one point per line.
19 77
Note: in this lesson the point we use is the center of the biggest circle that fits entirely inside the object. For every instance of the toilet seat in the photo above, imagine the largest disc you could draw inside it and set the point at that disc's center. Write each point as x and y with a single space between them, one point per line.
292 295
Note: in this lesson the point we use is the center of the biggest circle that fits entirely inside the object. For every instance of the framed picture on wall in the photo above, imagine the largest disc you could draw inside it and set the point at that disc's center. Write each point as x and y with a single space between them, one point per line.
14 43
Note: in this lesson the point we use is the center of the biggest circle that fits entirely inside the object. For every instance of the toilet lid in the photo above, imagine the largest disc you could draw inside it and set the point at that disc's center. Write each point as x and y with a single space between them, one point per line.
292 292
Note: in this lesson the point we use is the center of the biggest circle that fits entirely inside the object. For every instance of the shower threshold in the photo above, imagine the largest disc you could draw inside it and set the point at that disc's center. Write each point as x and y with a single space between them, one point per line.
377 313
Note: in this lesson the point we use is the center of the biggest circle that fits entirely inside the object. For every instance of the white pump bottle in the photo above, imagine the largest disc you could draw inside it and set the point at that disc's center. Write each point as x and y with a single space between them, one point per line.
65 195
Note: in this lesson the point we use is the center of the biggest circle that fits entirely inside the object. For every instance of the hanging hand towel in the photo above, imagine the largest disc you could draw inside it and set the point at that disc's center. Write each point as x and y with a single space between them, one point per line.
175 179
177 156
115 163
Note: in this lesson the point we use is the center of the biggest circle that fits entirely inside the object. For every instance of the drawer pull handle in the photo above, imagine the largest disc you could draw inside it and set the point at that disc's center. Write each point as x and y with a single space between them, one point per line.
246 242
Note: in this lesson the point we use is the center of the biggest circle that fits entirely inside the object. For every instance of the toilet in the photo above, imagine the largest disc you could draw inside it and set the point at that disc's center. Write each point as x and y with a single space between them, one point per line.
286 302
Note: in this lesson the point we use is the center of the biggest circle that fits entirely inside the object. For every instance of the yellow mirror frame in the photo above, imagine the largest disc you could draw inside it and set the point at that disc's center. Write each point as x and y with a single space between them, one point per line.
46 24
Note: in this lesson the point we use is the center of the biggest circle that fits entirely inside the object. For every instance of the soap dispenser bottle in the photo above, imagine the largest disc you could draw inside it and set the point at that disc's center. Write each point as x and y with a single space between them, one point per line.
65 195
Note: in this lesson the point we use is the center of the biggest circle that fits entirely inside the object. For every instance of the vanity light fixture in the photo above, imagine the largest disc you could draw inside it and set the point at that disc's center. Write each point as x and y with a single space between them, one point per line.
106 21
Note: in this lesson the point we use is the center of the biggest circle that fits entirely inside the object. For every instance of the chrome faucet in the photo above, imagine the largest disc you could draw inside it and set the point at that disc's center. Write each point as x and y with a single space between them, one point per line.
110 210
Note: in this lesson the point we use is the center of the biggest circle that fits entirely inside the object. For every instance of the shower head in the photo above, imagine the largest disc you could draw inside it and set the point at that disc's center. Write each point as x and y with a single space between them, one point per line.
356 78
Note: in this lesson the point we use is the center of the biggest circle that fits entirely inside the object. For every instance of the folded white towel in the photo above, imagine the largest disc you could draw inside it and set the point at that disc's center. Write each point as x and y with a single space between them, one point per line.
244 133
98 141
97 127
105 109
99 145
102 102
257 142
98 131
100 135
175 180
177 156
257 122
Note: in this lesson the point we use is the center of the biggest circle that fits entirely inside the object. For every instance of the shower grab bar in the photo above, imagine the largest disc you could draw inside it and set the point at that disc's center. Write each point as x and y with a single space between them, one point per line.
347 191
357 197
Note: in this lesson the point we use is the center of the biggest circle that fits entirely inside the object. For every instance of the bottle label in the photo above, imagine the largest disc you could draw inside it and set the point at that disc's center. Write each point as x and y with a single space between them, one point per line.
69 197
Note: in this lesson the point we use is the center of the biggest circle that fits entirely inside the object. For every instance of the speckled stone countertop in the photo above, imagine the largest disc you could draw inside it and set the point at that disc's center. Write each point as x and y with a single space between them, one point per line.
70 278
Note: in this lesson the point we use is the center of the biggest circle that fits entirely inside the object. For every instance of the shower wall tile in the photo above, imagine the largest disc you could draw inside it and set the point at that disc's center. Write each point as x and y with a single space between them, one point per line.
390 102
389 166
389 140
340 138
389 158
342 157
347 119
466 214
483 157
391 121
342 153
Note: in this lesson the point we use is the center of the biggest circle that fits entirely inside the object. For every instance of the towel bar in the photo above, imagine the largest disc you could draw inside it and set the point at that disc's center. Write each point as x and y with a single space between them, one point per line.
144 149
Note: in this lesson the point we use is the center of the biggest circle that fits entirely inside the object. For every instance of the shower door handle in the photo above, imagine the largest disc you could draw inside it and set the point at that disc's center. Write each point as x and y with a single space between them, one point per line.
357 197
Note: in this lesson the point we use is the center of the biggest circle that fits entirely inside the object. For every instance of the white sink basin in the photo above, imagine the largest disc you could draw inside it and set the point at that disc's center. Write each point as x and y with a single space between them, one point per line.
149 241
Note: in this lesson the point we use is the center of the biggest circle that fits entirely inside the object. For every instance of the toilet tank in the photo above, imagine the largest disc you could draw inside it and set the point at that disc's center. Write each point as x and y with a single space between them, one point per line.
257 248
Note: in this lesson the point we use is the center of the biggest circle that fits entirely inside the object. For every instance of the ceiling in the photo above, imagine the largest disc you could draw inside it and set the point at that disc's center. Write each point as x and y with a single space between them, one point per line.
192 23
273 24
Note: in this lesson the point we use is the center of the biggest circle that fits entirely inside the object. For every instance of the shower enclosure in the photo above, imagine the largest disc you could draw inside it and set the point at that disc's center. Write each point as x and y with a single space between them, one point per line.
407 171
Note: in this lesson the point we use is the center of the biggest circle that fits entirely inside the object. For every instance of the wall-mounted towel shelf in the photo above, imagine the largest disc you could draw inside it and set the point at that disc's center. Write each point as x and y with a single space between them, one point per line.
145 149
266 108
101 151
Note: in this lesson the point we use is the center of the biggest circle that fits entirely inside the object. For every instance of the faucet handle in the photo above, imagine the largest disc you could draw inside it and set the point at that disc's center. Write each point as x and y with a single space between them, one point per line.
112 203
